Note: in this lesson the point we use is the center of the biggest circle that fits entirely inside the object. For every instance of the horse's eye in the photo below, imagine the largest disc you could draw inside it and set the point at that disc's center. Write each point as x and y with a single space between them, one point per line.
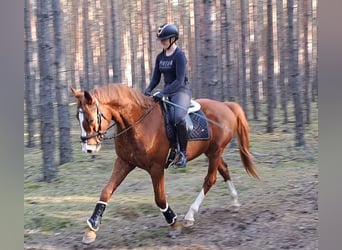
90 121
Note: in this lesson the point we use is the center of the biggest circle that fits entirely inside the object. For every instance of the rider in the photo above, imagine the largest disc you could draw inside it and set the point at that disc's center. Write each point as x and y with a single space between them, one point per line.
171 63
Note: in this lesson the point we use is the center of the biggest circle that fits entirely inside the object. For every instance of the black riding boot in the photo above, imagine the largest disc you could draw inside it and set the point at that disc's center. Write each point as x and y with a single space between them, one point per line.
95 220
182 135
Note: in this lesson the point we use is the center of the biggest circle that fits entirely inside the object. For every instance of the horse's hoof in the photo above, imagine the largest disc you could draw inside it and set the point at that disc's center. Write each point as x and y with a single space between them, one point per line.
89 236
175 230
236 204
235 207
174 233
188 223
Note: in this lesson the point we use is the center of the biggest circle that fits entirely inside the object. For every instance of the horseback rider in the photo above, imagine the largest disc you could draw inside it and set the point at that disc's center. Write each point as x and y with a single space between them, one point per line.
171 63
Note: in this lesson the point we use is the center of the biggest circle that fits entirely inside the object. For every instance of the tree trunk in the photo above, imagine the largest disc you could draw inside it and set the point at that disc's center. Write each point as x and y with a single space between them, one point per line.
306 78
116 59
294 73
133 44
270 70
85 84
198 88
314 52
282 45
151 39
47 124
108 41
243 6
210 53
29 79
139 83
255 64
75 44
64 124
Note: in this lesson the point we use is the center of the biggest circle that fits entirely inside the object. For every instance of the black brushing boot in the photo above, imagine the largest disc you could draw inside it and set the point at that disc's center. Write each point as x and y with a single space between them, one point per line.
182 135
95 220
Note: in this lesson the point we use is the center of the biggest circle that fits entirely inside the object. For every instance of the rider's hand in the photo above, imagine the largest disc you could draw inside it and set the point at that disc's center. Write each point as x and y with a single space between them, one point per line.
147 92
157 96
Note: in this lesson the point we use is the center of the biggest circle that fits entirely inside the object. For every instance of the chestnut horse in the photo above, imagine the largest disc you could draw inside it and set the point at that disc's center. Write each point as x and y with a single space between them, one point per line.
141 141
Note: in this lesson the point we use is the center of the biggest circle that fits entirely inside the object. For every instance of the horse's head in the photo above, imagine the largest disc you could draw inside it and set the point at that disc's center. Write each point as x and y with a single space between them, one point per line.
90 118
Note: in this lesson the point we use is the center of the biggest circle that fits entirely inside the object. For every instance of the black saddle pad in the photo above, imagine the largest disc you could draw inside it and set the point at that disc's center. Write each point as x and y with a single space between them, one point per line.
200 130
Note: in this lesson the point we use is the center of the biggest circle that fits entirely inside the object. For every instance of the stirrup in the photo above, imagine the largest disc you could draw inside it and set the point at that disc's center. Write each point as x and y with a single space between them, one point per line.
181 163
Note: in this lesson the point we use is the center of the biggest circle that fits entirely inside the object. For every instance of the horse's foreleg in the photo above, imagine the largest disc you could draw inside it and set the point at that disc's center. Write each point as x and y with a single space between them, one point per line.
223 170
120 171
209 181
157 176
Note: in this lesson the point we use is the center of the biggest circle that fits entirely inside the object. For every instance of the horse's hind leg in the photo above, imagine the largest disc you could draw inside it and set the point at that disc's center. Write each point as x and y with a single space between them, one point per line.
209 181
223 170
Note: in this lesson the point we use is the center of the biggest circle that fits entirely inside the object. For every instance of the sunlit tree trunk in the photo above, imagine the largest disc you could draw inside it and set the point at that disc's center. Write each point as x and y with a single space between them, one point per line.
100 65
108 45
75 43
116 39
85 84
282 45
151 40
228 27
198 87
191 42
235 51
29 78
262 45
133 42
307 76
211 77
140 60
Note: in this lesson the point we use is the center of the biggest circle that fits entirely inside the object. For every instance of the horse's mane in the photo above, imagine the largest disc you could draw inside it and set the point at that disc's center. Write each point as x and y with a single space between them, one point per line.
119 93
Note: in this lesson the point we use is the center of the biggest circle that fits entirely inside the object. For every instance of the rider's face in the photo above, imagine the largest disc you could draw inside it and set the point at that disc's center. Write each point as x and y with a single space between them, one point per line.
165 43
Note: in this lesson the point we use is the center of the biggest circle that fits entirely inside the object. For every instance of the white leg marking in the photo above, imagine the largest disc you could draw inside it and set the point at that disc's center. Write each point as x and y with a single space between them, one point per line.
164 209
233 194
194 207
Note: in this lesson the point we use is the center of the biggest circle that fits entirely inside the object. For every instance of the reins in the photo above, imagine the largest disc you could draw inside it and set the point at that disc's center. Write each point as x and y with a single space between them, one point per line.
132 125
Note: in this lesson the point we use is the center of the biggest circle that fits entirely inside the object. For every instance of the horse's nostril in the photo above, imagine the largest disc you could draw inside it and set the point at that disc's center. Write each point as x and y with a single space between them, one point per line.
89 151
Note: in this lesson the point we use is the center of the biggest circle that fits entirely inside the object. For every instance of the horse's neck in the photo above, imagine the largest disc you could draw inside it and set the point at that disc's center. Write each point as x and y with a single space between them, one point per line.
127 114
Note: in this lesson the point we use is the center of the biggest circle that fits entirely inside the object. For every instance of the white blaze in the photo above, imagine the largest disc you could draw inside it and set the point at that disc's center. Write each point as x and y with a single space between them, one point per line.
83 132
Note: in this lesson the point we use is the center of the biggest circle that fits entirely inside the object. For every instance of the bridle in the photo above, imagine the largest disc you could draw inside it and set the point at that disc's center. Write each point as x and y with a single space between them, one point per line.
101 134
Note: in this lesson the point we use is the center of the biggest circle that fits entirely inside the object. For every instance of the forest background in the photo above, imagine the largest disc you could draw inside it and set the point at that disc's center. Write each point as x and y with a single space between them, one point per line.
262 54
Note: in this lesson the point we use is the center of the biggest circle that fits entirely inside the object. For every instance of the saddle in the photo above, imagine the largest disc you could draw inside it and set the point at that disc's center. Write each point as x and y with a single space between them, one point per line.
196 124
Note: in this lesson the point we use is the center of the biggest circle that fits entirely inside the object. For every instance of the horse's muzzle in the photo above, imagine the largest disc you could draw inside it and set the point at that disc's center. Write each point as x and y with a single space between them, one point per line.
91 148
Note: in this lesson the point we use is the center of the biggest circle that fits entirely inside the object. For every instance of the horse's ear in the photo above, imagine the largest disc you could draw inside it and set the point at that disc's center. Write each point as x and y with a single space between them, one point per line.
90 100
76 92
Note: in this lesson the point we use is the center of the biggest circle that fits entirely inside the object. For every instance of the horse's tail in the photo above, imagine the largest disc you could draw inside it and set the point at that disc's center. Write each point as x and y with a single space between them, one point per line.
243 139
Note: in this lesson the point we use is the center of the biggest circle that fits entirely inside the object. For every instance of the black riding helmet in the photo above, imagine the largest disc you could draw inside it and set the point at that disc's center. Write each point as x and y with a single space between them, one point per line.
167 31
